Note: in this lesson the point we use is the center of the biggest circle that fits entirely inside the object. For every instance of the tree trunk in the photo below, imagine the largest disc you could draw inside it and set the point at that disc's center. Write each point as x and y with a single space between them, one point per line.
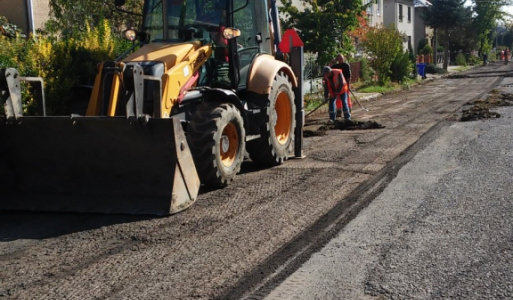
446 52
435 45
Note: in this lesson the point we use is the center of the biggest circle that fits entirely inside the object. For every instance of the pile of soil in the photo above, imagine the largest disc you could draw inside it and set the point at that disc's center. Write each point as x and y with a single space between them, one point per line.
320 131
481 109
342 125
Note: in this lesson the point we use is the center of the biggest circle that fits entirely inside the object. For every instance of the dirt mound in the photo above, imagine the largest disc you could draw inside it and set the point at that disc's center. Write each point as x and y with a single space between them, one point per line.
320 131
341 125
355 125
481 109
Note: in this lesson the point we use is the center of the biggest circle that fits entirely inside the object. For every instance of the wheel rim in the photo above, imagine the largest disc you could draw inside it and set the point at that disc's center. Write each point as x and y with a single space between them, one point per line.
229 144
283 118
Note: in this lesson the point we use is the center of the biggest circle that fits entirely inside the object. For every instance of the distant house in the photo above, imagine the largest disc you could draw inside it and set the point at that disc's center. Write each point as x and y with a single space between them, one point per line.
28 15
374 13
421 30
405 14
402 14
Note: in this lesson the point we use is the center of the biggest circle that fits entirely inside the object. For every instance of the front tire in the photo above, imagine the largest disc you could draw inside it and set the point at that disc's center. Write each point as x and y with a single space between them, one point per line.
216 137
277 129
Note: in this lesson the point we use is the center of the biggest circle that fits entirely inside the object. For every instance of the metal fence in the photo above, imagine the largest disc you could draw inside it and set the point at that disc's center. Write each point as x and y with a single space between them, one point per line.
312 74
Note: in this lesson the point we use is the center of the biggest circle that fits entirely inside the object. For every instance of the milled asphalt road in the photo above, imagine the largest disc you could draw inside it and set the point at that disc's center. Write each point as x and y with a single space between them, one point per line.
443 228
423 237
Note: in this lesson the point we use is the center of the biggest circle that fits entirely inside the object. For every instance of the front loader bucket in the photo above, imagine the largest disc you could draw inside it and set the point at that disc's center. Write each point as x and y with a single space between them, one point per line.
95 164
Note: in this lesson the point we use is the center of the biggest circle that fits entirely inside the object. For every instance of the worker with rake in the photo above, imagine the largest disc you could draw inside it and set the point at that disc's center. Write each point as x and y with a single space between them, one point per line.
342 64
336 89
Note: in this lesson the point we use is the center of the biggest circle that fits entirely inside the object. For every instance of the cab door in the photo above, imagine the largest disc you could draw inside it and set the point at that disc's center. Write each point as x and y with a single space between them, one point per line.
252 19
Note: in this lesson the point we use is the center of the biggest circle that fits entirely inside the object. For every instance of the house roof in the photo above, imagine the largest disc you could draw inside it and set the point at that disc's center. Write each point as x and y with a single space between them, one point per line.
421 3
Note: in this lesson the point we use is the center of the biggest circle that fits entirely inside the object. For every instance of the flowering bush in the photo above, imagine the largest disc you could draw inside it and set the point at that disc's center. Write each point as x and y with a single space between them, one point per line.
62 64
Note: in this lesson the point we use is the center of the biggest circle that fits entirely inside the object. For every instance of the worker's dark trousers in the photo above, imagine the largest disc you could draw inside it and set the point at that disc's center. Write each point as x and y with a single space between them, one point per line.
333 107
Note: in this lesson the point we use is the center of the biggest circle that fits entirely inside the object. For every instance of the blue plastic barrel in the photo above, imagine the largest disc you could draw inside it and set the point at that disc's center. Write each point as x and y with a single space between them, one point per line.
421 70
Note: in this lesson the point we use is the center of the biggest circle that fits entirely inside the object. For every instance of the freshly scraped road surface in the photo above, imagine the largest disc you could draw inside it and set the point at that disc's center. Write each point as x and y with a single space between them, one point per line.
442 229
244 240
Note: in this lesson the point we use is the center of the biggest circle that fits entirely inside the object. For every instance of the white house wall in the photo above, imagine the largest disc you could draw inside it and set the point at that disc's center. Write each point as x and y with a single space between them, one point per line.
420 31
41 11
406 25
374 13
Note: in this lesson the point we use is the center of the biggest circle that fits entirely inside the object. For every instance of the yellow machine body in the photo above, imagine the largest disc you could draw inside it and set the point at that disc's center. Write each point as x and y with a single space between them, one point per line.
181 62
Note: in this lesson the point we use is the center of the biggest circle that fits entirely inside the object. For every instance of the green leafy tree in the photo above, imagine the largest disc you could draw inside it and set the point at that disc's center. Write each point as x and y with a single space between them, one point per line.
486 14
447 16
383 46
69 18
324 25
507 37
463 38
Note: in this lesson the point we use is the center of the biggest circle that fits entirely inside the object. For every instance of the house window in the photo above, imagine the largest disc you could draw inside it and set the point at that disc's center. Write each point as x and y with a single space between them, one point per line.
409 14
378 9
400 12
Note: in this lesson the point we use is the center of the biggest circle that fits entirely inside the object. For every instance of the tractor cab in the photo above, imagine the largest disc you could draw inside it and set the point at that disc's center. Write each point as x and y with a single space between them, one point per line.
237 30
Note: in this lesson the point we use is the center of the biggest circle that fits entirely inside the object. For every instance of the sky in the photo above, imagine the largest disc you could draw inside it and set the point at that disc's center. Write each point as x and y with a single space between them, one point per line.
509 9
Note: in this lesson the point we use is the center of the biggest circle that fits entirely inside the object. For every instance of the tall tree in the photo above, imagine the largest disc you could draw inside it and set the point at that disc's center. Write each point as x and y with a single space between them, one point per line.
324 25
486 14
71 17
447 16
464 37
507 36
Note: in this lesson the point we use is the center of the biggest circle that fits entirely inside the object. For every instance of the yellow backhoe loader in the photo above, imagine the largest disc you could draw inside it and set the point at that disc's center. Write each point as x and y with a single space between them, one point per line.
207 82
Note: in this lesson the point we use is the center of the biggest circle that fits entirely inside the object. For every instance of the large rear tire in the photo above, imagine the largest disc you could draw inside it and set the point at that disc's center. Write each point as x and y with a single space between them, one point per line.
277 129
216 137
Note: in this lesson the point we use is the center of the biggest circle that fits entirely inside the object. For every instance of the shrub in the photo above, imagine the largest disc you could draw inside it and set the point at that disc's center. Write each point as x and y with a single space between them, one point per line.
426 50
474 60
384 44
421 45
62 64
434 69
461 60
401 67
365 70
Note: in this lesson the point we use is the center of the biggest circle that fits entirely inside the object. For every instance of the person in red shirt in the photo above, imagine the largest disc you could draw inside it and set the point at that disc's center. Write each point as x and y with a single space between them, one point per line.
336 88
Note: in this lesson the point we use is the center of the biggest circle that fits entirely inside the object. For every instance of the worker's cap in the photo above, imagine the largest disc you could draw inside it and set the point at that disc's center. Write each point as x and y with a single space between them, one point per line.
326 70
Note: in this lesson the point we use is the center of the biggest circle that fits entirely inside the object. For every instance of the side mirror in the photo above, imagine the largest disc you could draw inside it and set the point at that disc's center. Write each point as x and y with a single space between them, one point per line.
119 2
